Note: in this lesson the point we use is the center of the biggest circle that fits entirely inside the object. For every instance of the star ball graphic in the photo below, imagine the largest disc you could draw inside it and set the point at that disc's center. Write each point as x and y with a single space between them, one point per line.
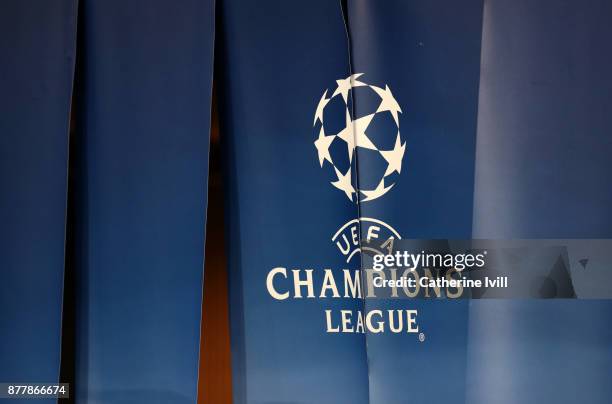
369 128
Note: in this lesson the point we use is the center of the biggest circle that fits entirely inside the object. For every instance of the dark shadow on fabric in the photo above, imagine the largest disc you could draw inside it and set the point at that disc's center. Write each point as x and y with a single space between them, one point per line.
76 246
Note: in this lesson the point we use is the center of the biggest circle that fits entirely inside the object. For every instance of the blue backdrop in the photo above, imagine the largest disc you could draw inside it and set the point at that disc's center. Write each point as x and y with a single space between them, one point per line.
430 59
277 59
144 106
37 49
543 171
505 118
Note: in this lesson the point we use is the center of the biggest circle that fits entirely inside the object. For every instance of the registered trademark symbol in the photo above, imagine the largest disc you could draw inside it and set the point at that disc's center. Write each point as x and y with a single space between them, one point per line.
421 337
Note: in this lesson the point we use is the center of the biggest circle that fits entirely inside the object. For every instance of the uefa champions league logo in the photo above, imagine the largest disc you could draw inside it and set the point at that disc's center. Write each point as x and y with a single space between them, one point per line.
368 131
372 135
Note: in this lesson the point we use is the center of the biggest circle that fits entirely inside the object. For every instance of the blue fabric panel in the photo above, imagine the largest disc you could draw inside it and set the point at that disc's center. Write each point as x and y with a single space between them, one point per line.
545 121
145 101
428 54
543 170
282 211
37 49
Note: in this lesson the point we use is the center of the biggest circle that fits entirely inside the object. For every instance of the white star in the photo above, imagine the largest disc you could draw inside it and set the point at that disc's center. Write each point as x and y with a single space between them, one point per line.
348 135
394 157
388 102
344 183
359 126
378 192
346 84
322 145
319 112
354 133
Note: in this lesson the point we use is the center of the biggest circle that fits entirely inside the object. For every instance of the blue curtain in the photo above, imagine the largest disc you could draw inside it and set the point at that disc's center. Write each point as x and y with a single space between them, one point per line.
543 171
281 210
144 109
345 124
37 49
430 61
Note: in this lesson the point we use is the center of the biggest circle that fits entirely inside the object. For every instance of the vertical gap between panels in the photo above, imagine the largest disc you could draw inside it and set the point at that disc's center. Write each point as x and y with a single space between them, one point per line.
68 326
214 381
